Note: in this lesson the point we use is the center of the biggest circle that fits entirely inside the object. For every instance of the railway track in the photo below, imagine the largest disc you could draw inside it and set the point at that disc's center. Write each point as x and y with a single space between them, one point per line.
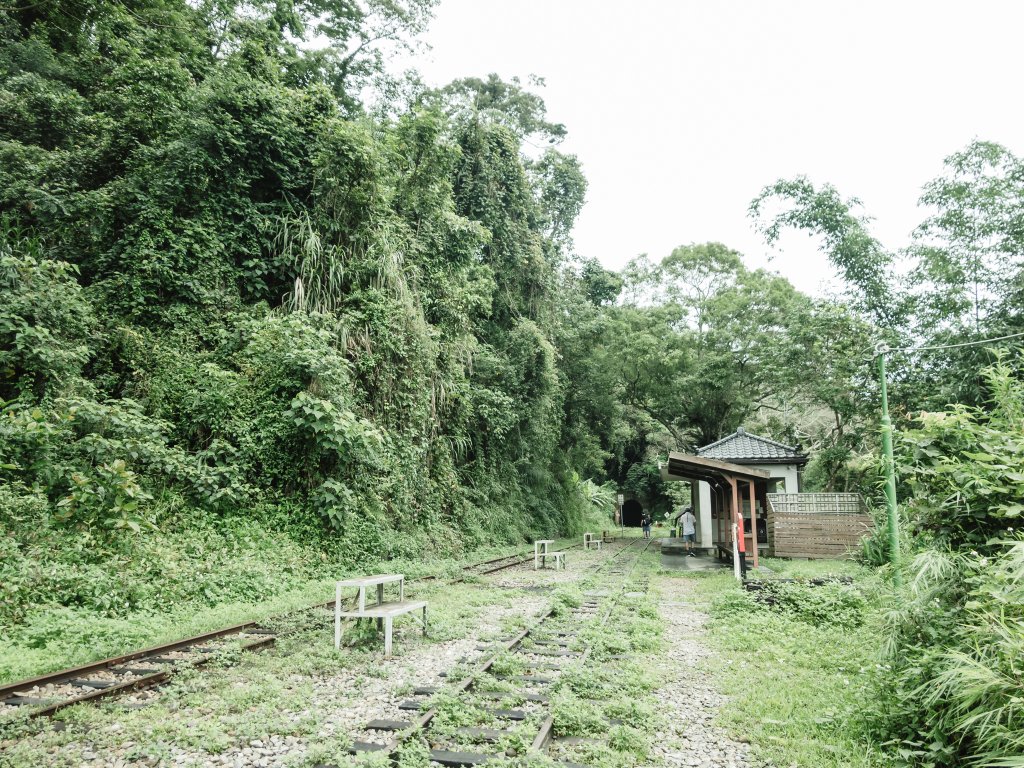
508 692
47 694
495 565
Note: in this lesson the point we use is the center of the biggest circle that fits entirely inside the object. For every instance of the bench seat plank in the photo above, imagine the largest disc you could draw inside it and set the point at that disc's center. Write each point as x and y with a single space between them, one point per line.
385 609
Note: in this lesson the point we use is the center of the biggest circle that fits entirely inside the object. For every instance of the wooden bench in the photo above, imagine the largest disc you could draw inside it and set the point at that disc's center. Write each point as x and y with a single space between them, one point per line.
590 541
383 612
558 557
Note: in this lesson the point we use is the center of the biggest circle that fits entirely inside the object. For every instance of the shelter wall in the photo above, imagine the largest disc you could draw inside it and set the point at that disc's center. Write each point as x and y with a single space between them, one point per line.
816 535
785 478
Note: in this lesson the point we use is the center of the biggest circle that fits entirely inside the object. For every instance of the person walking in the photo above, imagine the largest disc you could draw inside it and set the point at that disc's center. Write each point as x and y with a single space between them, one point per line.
689 530
645 521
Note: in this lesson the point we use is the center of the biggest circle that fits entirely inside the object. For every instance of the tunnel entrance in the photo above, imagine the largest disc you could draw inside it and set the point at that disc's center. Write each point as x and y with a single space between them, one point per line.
632 511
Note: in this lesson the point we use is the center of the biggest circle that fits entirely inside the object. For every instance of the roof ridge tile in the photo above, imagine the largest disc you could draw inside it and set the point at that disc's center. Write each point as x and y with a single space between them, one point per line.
749 446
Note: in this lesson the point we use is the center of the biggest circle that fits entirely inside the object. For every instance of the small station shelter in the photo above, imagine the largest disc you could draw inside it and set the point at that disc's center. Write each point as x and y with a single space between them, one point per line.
754 483
783 463
729 486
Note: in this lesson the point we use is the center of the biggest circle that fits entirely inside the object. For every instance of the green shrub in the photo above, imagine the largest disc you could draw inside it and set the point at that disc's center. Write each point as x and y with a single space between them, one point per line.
829 604
965 466
819 605
951 692
45 321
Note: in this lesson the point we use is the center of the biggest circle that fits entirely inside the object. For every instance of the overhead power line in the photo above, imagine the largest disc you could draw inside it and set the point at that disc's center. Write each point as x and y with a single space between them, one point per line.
882 347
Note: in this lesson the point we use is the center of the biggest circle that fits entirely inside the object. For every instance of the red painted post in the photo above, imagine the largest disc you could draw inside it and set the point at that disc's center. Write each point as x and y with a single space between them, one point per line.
737 515
741 544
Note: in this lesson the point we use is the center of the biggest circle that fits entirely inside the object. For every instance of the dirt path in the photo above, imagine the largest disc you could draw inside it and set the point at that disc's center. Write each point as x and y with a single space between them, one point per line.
688 697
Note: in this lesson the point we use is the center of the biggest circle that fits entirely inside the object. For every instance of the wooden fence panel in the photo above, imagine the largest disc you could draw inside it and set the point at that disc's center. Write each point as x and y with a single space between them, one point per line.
816 525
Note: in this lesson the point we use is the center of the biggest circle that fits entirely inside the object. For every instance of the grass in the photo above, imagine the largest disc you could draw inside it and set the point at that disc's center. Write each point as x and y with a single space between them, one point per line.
207 580
246 697
797 673
585 700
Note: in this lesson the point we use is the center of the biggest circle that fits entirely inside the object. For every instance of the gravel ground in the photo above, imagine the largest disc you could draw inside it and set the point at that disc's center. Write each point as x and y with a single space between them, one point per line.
688 697
349 700
342 702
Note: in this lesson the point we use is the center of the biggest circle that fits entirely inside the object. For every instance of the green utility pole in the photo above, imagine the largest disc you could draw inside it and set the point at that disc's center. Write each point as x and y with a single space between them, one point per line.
890 471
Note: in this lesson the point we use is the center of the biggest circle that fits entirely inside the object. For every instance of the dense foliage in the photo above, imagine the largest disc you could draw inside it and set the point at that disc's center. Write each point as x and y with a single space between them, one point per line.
949 690
227 285
254 287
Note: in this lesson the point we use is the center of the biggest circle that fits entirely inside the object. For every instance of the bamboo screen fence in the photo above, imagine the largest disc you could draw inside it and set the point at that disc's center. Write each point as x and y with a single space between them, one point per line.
816 525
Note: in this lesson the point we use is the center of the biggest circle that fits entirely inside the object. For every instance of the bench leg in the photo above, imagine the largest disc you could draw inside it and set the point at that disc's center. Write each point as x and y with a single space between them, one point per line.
388 624
337 618
380 599
424 621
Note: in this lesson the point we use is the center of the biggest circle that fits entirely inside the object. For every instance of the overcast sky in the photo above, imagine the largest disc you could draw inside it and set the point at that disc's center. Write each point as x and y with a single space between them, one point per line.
682 111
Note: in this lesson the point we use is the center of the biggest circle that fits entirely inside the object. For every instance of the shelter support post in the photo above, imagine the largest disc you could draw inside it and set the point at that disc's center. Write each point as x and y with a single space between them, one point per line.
753 520
737 516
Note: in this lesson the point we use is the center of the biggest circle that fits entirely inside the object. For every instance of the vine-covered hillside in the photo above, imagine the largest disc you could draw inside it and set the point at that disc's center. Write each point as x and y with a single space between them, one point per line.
228 286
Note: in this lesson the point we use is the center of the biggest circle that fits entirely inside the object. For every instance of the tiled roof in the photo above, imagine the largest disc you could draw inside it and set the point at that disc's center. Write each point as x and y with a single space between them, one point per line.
742 445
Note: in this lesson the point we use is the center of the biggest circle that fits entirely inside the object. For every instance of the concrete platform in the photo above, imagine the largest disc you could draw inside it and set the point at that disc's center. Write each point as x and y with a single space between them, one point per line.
671 546
685 563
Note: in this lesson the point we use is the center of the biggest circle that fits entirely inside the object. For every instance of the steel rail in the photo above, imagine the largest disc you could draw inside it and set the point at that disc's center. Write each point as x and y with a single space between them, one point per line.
524 558
104 664
138 682
544 733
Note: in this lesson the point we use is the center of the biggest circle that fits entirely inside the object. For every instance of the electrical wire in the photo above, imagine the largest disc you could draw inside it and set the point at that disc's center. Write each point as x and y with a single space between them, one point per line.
882 347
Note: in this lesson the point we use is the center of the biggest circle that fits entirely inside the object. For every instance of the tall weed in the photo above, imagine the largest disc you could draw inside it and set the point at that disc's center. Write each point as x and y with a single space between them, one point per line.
954 692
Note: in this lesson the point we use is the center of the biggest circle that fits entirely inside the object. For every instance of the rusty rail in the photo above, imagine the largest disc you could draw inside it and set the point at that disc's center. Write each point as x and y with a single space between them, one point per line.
10 697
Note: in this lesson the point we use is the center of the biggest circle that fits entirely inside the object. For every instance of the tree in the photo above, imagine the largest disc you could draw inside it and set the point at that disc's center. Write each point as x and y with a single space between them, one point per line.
861 260
713 335
968 281
971 249
508 104
832 393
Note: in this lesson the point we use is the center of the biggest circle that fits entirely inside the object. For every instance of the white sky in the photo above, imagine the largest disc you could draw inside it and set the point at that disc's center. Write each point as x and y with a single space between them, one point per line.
682 111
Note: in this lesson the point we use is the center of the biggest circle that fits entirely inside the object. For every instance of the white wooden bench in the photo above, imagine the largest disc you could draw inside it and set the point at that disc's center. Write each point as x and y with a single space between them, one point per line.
383 612
590 541
541 553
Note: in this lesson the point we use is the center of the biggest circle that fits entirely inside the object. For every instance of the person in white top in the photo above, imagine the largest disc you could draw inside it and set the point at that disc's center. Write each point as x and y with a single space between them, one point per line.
689 530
